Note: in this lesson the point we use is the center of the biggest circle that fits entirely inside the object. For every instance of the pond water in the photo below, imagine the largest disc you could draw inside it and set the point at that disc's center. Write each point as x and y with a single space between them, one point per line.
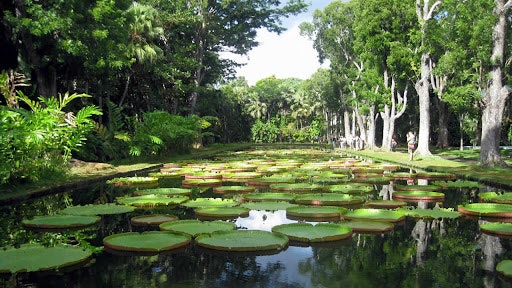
416 253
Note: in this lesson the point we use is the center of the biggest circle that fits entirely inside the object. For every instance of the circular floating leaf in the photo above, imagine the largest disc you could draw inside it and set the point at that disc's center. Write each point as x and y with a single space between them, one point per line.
164 191
166 174
238 176
222 212
120 181
436 213
332 199
458 184
266 181
373 180
374 214
353 188
505 198
385 204
61 221
150 241
201 182
151 200
436 176
203 175
210 202
196 227
243 240
418 195
497 229
98 209
417 187
34 257
269 196
486 209
155 219
316 211
402 175
305 232
504 267
268 205
366 226
234 189
296 187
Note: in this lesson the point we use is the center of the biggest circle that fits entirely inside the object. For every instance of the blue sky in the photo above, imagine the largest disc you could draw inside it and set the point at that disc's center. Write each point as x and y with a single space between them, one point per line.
285 55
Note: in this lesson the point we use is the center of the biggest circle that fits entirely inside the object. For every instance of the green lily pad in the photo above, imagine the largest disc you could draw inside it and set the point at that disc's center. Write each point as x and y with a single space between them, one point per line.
417 188
151 200
458 184
234 189
505 198
268 205
266 181
268 196
504 267
201 182
240 176
150 241
374 214
383 180
34 257
296 187
435 176
402 175
222 212
166 174
153 219
352 188
436 212
321 232
418 195
243 240
98 209
203 175
316 211
385 204
164 191
197 227
369 226
486 209
328 199
210 202
497 229
120 181
61 221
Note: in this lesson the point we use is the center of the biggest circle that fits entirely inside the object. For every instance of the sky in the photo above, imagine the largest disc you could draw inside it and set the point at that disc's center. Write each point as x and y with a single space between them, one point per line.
284 56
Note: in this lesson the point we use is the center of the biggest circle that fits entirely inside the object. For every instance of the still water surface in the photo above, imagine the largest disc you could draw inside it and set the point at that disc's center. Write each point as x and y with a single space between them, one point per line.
417 253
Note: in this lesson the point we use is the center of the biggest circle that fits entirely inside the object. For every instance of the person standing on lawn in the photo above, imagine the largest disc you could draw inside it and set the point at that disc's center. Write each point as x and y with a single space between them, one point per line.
411 143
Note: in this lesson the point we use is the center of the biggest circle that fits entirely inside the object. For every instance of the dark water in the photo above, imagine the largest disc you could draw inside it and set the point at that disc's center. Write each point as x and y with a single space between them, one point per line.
417 253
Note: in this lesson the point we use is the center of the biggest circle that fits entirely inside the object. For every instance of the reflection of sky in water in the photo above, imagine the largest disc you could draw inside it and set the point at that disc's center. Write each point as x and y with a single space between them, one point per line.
289 259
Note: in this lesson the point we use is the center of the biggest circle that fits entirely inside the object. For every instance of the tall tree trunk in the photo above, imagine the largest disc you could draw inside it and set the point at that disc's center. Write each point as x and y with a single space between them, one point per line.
372 118
346 121
390 115
496 96
442 120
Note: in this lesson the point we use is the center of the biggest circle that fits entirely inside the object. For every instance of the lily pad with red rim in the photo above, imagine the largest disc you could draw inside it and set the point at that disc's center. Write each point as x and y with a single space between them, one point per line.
61 221
486 209
316 211
152 219
150 241
374 214
187 183
328 199
497 229
505 198
385 204
268 196
369 226
164 191
234 189
98 209
306 232
268 205
436 212
296 187
221 212
197 227
152 200
243 240
418 195
417 187
504 267
210 202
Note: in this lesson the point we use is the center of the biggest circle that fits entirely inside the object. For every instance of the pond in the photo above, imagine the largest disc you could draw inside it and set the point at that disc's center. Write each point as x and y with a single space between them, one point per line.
417 252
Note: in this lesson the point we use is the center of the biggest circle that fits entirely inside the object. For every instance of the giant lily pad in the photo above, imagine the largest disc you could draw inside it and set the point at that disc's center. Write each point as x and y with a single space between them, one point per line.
203 175
321 232
234 189
269 196
296 187
385 204
435 176
328 199
196 227
150 241
164 191
201 182
98 209
34 257
136 181
504 267
316 211
369 226
351 188
266 181
417 187
268 205
153 219
240 176
221 212
374 214
497 229
458 184
61 221
210 202
418 195
243 240
436 212
151 200
486 209
505 198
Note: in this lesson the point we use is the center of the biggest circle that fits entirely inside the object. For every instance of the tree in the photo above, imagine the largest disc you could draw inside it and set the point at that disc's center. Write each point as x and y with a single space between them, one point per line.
496 95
